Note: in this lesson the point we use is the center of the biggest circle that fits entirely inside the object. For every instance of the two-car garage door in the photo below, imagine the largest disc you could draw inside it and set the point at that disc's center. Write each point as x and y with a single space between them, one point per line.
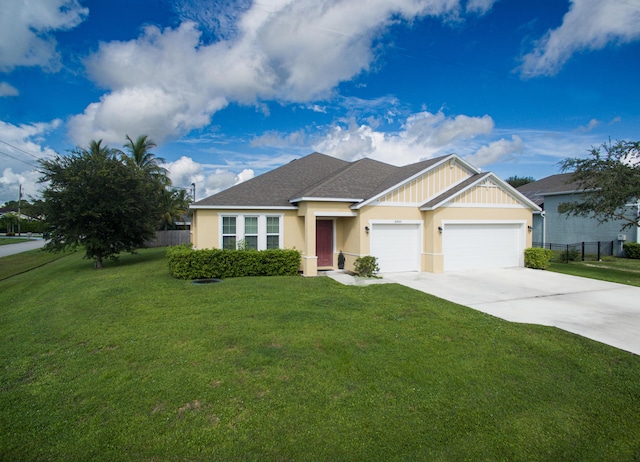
482 245
465 246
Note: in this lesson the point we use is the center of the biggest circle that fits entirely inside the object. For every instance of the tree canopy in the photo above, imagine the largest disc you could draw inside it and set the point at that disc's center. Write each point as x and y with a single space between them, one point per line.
517 181
97 200
610 181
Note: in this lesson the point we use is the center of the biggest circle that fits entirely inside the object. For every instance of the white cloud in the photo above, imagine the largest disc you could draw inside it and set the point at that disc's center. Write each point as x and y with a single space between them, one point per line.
26 31
170 81
588 25
593 123
20 150
185 171
497 151
479 6
8 90
422 136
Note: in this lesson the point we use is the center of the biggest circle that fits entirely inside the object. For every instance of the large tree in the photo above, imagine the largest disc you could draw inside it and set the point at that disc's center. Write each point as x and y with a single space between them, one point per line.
610 181
95 200
517 181
175 205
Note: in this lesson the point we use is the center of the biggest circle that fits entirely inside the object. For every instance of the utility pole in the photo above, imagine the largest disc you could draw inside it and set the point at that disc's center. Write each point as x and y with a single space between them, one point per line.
19 204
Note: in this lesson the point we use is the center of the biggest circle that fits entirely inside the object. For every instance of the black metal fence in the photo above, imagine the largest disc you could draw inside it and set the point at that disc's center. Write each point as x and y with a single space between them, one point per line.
581 251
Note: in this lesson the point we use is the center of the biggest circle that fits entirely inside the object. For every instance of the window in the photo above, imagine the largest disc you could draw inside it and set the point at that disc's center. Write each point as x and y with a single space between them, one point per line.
273 232
257 232
251 233
228 233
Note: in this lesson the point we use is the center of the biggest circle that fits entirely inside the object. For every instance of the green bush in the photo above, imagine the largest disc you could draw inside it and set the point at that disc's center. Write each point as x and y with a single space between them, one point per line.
632 250
366 266
186 263
537 258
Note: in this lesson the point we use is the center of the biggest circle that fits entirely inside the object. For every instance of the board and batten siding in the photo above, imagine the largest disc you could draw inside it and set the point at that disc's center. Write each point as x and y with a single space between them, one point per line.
486 194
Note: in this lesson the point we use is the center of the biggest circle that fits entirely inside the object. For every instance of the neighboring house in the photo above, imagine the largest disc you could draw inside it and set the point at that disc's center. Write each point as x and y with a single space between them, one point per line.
438 215
552 227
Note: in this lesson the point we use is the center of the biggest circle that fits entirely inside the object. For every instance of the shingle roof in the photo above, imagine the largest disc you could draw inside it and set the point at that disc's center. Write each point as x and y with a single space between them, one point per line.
276 187
316 176
536 190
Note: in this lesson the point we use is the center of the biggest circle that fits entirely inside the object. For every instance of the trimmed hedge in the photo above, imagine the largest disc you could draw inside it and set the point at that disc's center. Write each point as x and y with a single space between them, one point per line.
631 250
187 263
537 258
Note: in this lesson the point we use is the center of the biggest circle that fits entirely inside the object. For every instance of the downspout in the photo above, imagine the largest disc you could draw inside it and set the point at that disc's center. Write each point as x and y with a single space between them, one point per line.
544 228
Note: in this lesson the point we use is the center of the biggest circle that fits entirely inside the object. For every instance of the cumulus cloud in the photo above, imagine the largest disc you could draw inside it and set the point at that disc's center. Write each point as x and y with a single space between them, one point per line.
8 90
497 151
185 171
170 81
422 136
26 29
593 123
21 148
588 25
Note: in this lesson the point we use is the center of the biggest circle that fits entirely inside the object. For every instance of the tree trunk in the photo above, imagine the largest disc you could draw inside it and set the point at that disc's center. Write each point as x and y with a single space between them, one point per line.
98 262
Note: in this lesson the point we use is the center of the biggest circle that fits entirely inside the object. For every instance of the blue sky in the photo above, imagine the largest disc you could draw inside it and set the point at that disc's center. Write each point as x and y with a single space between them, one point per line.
230 89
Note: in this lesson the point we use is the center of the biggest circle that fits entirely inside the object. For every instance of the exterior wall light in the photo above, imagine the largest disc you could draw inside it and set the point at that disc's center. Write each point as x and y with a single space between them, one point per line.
530 228
366 228
440 229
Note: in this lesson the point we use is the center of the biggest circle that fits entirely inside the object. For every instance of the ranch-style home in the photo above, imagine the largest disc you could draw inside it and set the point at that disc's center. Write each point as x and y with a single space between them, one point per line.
438 215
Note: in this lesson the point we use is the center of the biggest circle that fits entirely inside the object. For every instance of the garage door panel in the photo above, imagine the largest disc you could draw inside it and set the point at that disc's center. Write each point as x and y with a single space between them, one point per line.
396 246
478 246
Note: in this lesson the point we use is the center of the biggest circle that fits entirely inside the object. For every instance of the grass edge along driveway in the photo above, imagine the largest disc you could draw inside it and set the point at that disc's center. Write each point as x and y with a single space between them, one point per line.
129 364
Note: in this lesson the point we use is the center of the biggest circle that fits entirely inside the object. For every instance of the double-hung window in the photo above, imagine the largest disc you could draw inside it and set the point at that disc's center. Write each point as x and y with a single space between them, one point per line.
251 233
273 232
257 232
229 236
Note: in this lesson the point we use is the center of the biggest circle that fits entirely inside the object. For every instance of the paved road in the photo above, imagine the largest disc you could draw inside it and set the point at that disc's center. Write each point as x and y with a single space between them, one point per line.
599 310
12 249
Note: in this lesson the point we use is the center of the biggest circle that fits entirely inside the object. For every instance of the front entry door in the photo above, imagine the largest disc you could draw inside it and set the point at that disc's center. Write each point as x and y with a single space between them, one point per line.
324 242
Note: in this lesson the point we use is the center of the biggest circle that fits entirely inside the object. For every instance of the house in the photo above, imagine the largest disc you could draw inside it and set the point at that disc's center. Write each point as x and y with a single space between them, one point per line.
438 215
551 226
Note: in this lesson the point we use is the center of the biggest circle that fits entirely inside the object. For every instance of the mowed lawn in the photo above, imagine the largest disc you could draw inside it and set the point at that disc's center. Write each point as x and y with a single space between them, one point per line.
127 363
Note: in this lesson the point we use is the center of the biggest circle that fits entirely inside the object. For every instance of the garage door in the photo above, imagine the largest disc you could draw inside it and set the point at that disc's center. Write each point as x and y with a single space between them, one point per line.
396 246
478 246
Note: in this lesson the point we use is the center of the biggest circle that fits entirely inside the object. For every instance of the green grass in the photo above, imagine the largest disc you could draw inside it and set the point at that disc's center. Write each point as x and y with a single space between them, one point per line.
11 240
26 261
620 270
128 364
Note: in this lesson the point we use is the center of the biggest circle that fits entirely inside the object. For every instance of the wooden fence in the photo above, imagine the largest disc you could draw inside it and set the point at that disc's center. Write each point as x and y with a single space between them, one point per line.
167 238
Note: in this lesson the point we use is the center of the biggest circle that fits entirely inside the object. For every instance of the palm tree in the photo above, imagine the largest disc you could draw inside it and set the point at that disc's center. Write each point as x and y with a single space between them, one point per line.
96 148
139 154
175 204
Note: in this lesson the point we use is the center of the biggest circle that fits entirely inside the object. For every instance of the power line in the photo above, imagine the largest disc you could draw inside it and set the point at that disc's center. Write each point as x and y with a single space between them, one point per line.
19 160
18 149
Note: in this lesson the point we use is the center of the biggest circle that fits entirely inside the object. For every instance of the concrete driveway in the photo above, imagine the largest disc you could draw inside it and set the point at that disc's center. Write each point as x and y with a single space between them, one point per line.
602 311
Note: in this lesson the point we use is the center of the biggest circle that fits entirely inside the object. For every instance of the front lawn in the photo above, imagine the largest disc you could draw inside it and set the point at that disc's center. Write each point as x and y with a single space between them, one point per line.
12 240
128 364
620 270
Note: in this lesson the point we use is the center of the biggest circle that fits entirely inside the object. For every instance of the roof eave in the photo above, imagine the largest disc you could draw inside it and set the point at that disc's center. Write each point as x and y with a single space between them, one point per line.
242 207
324 199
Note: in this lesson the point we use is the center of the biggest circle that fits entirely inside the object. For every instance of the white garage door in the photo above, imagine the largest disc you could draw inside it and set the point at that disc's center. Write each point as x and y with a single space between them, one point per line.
477 246
396 246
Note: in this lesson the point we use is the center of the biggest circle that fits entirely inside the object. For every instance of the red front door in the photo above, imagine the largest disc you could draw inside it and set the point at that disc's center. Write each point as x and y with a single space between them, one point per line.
324 242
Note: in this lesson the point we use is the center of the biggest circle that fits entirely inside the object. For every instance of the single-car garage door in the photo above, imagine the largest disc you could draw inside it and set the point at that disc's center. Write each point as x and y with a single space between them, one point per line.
482 245
396 246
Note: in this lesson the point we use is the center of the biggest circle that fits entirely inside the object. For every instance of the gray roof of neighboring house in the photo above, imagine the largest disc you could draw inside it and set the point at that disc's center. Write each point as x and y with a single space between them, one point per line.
316 176
536 190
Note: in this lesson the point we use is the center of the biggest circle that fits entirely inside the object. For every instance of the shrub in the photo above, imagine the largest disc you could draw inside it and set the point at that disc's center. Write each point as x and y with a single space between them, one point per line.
537 258
186 263
366 266
632 250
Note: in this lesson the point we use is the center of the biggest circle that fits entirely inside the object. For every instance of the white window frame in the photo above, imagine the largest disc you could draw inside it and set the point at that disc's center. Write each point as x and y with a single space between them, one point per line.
262 228
223 234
